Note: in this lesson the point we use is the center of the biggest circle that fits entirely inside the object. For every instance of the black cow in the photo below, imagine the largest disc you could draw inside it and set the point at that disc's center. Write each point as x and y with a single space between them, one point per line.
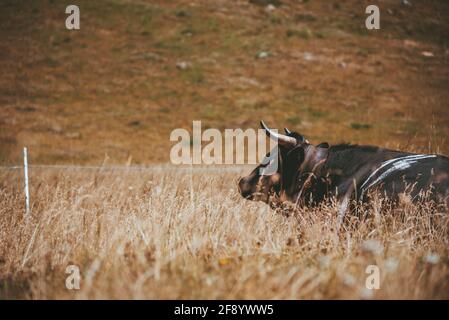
307 175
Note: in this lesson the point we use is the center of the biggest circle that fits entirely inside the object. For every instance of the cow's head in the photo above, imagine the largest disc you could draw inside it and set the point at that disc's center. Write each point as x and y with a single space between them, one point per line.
297 161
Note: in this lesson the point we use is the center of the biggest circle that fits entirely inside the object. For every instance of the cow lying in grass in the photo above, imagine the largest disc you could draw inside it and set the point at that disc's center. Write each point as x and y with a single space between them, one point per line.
307 175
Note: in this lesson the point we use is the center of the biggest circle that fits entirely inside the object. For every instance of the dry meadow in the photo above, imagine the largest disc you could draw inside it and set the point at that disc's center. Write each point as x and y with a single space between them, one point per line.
137 70
175 233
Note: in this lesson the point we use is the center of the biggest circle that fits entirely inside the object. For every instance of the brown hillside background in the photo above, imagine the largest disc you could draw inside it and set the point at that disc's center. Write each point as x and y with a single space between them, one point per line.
114 89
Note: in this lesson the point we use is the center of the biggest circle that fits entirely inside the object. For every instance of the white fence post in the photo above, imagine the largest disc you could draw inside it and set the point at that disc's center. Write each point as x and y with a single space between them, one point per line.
25 171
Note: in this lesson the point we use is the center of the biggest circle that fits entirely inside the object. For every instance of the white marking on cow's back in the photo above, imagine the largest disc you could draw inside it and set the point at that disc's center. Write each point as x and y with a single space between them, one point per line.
386 163
397 164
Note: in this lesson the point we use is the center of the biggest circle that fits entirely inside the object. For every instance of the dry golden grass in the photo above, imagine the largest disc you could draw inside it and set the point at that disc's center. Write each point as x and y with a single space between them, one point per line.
180 234
114 86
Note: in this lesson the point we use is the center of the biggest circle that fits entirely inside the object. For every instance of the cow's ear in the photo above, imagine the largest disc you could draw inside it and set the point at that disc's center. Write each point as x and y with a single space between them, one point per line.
323 145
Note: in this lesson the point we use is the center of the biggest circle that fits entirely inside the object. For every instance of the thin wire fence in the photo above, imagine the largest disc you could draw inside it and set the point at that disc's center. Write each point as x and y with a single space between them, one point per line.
157 168
149 168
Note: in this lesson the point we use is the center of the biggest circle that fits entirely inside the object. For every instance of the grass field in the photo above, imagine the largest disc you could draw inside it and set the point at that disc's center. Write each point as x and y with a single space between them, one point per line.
113 87
179 234
112 92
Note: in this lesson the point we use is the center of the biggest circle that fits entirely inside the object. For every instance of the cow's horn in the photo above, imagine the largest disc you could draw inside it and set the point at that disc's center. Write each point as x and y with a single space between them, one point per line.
282 139
287 131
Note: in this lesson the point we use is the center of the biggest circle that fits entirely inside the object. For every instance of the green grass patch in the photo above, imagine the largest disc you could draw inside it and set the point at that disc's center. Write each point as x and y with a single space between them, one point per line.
305 17
276 3
360 126
293 120
193 75
303 33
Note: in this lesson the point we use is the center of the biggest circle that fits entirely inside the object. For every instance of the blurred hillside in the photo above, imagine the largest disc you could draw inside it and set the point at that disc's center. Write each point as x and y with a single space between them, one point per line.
139 69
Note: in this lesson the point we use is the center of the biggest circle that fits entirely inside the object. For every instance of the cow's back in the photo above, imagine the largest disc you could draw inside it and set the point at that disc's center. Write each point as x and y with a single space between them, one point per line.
419 176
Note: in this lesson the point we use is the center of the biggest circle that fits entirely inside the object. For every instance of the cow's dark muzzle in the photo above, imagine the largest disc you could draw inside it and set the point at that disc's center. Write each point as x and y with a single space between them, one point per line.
245 189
